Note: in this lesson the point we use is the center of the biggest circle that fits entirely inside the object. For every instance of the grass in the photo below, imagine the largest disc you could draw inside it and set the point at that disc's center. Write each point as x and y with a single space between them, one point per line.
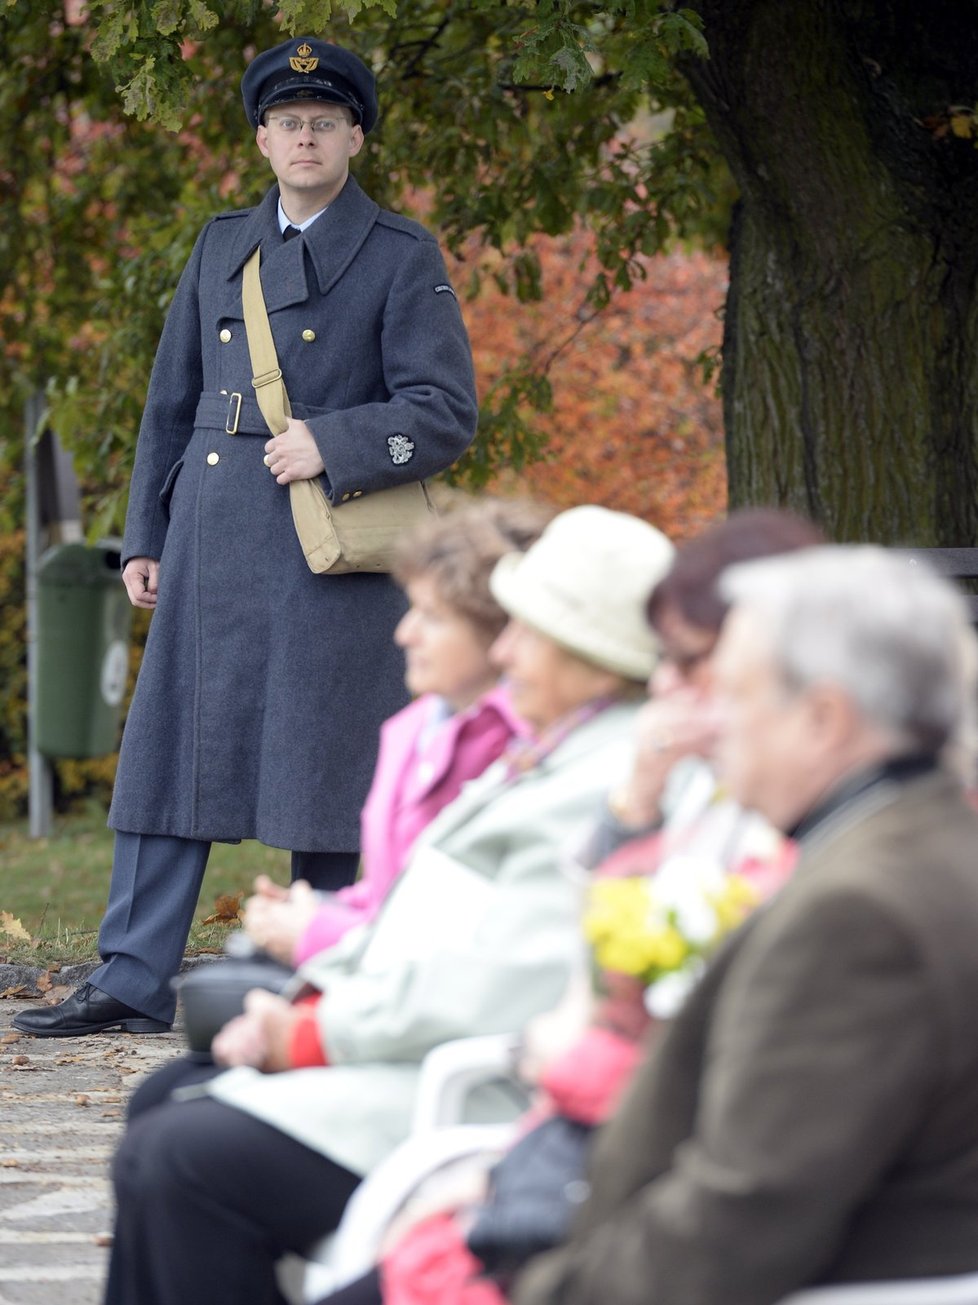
57 887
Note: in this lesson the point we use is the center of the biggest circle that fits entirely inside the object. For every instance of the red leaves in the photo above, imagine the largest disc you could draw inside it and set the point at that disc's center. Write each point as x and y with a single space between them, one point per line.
635 425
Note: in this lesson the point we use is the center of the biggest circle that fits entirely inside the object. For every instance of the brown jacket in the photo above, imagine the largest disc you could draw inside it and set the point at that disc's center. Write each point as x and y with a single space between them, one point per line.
811 1115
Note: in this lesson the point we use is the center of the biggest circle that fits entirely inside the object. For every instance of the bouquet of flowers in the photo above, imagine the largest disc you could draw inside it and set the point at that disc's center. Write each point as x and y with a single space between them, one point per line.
660 928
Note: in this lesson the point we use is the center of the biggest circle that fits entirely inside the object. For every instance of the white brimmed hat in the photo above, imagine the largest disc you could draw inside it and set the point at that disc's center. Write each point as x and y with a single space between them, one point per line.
585 583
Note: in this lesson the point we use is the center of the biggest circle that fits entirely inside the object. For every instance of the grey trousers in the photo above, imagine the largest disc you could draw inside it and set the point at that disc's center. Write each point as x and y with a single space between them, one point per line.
155 886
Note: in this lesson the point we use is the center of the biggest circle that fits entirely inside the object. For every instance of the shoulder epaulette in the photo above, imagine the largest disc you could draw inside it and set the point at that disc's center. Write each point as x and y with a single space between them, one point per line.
398 223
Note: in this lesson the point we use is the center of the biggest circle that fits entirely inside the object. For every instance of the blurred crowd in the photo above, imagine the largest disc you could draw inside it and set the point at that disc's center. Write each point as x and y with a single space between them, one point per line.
690 825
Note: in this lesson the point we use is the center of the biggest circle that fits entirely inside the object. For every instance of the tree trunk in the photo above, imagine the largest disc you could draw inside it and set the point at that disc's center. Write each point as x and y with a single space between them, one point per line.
851 336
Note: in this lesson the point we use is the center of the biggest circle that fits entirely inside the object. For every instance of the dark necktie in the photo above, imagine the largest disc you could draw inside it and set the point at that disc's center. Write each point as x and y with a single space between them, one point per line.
290 233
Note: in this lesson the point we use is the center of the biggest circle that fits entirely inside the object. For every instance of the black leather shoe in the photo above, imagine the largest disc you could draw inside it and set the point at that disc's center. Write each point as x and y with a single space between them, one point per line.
87 1010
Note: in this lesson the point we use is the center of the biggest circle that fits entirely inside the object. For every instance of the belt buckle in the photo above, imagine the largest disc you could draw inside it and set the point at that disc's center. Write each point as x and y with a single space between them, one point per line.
231 424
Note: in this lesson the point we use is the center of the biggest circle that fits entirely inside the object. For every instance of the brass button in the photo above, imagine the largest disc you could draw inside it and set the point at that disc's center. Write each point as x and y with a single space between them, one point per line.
213 459
358 493
225 336
224 392
308 335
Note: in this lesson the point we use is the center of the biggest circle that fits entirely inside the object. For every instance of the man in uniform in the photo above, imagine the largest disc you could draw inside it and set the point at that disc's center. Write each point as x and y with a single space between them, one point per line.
263 685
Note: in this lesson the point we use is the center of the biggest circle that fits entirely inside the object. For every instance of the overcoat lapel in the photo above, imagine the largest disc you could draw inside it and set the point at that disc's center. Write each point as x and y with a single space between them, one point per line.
332 242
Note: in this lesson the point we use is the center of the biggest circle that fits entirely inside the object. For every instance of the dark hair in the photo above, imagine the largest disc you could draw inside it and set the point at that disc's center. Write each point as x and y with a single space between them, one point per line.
690 586
459 550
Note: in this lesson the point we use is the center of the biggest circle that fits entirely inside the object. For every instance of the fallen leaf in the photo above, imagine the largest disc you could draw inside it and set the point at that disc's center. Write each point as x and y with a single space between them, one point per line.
227 909
19 991
56 993
82 1100
8 1162
12 927
104 1239
21 1060
10 1037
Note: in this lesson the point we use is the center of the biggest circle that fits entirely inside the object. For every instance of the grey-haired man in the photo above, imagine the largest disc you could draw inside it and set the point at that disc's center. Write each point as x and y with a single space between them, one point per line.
811 1116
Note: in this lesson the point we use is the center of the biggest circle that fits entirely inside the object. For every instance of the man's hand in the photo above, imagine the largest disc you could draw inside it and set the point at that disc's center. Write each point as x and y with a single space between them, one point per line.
261 1036
141 576
293 455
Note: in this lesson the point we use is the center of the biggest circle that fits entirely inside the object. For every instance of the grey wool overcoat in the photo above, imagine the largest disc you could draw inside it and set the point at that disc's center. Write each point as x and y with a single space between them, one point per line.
263 686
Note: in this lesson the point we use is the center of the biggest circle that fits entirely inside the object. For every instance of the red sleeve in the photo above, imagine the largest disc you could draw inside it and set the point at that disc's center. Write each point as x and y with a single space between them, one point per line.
305 1045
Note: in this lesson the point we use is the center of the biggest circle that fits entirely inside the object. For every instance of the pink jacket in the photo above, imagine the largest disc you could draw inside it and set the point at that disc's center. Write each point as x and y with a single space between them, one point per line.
407 792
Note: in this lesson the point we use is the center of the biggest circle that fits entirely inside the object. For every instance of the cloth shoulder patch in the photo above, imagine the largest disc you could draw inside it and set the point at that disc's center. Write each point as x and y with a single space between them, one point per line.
400 448
445 289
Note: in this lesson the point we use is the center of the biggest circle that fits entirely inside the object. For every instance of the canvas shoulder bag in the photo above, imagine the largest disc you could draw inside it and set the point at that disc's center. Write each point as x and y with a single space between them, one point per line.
359 535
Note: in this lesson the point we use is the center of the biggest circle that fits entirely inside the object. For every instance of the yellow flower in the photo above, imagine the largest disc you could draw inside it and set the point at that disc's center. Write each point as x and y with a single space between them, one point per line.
615 924
733 903
632 931
668 950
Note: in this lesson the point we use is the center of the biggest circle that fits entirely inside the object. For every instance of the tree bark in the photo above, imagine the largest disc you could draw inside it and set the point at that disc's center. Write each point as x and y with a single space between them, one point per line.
851 334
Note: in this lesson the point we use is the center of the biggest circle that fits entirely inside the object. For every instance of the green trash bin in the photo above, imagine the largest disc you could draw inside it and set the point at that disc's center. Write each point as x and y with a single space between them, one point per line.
83 623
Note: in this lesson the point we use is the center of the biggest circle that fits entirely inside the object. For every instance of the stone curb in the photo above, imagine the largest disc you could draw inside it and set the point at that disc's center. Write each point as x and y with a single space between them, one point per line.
25 977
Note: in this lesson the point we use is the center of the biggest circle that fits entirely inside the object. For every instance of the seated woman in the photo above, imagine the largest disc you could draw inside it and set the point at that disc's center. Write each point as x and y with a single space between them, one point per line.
670 814
671 792
476 936
458 724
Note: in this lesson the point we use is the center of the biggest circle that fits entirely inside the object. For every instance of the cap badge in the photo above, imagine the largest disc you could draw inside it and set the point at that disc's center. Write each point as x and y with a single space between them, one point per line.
301 62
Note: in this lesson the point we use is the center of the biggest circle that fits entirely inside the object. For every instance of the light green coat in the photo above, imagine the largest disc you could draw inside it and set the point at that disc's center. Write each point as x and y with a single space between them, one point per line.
478 935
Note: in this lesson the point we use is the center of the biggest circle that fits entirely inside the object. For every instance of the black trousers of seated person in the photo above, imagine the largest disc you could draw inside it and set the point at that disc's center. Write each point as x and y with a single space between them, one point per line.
209 1198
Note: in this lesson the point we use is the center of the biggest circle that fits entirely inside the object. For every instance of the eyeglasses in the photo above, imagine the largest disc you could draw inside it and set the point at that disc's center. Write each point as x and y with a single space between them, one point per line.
319 125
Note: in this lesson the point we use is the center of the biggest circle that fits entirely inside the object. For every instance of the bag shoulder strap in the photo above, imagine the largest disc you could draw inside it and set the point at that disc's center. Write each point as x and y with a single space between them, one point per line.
267 380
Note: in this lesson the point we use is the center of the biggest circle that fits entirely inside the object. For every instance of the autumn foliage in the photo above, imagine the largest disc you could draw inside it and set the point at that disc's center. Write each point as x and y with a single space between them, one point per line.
635 424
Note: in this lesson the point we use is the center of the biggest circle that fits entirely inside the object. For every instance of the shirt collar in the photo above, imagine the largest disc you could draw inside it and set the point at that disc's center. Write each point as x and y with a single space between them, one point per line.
284 222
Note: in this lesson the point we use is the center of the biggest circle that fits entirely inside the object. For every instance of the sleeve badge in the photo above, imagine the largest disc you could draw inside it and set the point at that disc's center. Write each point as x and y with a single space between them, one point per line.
401 449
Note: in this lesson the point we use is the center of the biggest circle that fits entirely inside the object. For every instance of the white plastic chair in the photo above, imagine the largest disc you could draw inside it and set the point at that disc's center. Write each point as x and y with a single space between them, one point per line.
452 1071
439 1137
959 1289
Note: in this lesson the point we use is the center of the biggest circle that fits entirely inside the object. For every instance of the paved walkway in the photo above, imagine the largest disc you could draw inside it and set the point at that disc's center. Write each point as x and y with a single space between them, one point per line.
61 1111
